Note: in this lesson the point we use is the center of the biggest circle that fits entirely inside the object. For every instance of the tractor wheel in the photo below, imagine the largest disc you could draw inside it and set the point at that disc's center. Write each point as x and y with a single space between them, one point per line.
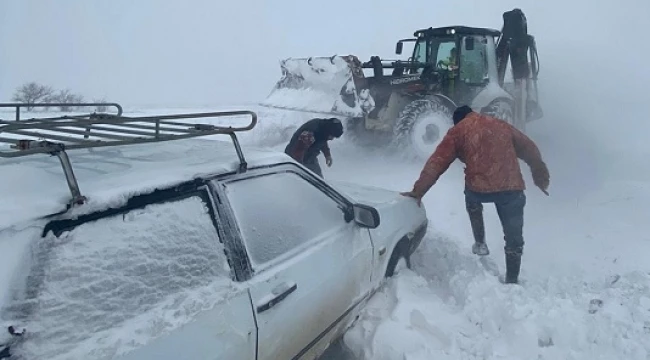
500 109
421 126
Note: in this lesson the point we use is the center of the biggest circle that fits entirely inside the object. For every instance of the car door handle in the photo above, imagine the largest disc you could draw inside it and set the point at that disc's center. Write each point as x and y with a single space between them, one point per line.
278 294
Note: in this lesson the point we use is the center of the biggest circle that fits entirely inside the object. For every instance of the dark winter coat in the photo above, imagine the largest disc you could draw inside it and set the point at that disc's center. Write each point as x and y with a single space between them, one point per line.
310 139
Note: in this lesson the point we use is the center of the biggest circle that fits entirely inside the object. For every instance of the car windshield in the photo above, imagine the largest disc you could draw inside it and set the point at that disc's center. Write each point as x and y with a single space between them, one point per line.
420 51
443 50
439 50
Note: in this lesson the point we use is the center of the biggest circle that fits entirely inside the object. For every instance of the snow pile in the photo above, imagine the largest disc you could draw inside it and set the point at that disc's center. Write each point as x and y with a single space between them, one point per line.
586 289
315 87
456 309
94 294
275 128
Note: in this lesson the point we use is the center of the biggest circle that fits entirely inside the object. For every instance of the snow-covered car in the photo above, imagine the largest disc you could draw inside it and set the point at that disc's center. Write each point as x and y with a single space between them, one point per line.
180 252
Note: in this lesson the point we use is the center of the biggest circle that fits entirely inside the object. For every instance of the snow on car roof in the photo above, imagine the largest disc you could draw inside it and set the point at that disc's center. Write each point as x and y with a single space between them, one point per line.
35 186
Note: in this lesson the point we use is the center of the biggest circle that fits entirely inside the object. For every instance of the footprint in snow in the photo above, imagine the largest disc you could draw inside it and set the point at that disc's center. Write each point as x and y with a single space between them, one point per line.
419 321
490 265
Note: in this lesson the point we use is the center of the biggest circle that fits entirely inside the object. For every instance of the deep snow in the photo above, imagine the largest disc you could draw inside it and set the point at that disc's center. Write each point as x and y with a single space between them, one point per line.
584 242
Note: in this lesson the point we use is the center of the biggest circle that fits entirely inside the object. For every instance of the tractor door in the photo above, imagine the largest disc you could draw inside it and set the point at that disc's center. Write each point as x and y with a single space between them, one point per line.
474 72
443 56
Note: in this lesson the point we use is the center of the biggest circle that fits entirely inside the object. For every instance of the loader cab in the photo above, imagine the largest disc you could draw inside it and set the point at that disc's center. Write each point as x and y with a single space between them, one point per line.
463 58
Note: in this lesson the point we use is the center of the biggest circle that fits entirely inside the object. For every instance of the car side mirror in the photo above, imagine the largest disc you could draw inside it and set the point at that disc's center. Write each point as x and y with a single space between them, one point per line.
366 216
399 47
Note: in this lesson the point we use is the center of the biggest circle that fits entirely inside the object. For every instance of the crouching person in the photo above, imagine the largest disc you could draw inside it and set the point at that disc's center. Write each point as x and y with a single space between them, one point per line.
490 149
311 139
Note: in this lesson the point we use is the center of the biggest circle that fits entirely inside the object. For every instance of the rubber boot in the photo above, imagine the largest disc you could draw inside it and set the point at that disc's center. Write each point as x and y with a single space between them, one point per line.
513 265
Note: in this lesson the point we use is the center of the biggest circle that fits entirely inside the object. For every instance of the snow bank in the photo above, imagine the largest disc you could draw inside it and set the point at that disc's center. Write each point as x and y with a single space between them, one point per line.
274 127
585 243
457 309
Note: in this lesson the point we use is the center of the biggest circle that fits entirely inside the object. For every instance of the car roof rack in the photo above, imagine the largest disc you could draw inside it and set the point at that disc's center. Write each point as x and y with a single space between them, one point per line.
54 136
97 105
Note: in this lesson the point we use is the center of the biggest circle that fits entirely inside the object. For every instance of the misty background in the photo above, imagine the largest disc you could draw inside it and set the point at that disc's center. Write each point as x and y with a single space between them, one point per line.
179 53
201 52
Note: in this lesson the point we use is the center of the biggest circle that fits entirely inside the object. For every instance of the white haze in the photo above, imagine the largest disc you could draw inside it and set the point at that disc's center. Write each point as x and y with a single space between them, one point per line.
163 52
593 85
168 53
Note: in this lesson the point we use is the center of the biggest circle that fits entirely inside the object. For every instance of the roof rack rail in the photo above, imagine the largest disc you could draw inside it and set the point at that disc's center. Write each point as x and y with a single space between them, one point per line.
18 106
55 136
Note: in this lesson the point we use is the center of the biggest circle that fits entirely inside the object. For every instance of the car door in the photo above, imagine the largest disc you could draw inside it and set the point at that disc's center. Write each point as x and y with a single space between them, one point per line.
222 325
146 281
310 266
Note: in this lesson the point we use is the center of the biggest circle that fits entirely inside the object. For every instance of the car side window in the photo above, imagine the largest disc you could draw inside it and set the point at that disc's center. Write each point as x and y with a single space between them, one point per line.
280 212
141 273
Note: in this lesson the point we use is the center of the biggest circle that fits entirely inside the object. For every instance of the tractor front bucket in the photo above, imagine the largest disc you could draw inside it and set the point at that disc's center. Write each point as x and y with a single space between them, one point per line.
326 85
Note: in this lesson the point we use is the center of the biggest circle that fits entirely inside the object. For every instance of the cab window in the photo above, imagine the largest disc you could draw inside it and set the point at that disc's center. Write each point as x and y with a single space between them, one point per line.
473 61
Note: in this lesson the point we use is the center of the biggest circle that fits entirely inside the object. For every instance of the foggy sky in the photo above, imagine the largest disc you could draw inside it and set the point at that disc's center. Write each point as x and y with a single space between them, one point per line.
180 52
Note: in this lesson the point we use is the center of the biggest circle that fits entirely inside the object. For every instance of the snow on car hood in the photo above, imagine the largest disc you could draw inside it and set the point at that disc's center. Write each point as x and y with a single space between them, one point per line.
398 214
368 195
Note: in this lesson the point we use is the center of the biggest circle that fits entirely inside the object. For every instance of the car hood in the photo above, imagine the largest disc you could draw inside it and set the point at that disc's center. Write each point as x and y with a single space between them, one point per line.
369 195
398 214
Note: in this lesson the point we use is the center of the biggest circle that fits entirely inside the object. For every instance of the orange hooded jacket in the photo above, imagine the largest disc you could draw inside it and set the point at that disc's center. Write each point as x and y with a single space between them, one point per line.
490 149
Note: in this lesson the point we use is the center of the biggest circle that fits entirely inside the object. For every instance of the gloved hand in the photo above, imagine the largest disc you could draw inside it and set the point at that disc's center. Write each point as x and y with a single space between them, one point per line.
328 161
541 178
417 198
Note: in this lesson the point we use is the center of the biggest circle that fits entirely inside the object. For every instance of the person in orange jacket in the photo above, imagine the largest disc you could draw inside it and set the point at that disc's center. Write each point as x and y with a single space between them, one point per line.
489 148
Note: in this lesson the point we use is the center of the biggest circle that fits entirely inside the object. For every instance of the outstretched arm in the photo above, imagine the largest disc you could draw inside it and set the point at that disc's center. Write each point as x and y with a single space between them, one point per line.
435 166
529 153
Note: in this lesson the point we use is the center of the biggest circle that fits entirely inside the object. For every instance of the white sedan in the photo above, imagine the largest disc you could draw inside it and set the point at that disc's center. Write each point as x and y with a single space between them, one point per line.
177 255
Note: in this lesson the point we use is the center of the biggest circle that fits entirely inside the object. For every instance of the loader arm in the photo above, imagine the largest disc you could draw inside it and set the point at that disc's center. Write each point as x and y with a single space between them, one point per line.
513 44
516 45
